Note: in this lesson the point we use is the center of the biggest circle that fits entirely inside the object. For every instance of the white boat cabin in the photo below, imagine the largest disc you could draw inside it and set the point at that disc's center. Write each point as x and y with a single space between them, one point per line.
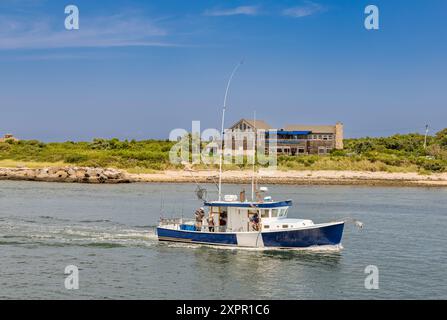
232 215
237 216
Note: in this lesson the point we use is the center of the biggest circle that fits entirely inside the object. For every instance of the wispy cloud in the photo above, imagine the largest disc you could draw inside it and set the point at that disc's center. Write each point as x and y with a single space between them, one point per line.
307 9
242 10
53 57
108 31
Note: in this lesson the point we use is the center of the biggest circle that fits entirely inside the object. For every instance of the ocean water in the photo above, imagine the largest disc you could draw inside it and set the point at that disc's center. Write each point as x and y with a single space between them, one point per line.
108 232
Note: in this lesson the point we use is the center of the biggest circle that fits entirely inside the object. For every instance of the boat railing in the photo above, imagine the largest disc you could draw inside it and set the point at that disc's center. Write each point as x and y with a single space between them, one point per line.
206 227
166 221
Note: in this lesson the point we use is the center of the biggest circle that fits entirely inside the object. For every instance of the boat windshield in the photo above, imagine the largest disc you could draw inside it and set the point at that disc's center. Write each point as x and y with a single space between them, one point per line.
283 212
278 213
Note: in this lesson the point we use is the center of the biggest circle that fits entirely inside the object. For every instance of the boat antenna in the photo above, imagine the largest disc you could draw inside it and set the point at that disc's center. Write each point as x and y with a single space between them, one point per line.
254 159
222 126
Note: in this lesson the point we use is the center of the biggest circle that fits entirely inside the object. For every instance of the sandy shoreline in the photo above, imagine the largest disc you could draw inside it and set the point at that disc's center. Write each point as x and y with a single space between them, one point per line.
308 177
301 177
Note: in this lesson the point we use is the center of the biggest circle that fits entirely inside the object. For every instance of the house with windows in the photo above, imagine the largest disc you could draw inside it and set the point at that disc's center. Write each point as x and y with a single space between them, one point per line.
296 139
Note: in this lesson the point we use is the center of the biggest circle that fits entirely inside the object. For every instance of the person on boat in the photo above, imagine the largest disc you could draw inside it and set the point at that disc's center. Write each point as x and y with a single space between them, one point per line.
254 219
242 196
199 214
223 219
211 223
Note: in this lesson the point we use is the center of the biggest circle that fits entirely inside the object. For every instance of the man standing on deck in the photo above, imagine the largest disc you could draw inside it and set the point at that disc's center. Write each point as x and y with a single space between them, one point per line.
199 214
254 219
211 223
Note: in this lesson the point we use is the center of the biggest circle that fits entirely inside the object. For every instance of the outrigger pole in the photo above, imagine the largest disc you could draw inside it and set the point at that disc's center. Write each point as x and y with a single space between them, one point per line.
223 121
254 159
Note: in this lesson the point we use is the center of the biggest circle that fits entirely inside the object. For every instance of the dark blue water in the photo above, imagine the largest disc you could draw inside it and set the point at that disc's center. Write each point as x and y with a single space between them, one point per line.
108 232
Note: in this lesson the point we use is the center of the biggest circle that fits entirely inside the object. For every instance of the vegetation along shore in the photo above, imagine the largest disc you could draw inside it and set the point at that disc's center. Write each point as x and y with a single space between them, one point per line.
394 160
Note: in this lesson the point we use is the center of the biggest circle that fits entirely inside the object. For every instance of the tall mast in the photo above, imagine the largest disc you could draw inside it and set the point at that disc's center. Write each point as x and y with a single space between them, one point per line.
254 159
222 127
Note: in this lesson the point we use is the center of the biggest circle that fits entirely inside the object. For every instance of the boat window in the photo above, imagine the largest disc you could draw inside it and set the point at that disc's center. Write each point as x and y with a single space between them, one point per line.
282 212
275 213
265 213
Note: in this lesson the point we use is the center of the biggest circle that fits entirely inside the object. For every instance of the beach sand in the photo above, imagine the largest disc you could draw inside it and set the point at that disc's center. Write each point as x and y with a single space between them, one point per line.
307 177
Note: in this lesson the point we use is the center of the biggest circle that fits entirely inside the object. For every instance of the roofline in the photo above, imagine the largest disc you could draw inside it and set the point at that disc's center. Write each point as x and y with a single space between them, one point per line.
293 132
248 121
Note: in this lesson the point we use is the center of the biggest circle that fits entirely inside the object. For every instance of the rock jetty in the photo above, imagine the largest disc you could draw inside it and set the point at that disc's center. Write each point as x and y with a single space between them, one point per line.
66 174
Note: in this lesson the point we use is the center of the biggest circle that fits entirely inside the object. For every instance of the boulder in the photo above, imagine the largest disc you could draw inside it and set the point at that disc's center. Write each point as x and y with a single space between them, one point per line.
71 172
62 174
80 174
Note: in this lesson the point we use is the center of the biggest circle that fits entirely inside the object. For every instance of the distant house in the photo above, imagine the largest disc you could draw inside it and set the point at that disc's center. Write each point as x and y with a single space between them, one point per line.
298 139
9 137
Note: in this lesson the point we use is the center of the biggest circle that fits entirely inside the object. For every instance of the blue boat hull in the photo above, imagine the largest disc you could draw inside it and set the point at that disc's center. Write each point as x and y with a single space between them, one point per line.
323 235
196 236
328 235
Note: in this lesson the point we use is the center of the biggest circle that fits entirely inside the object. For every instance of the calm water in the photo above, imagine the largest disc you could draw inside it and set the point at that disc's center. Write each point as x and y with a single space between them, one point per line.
108 232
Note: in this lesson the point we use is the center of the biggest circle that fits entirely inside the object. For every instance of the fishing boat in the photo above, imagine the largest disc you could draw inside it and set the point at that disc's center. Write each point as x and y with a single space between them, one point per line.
260 223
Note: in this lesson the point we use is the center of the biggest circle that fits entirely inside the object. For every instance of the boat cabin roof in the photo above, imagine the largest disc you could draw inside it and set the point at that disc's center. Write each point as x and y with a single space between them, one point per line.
238 204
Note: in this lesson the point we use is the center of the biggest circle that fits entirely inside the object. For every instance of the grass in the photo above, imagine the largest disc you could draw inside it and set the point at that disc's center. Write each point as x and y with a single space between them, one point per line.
346 164
397 153
139 170
9 163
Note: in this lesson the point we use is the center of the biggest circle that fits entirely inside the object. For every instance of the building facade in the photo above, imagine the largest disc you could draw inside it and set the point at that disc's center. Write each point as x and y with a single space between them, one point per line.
296 139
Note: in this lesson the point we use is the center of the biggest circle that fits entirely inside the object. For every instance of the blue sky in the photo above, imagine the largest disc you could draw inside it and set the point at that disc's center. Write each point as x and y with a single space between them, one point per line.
138 69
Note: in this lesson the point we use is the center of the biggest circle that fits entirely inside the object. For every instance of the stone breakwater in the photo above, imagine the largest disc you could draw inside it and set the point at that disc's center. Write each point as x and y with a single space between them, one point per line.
66 174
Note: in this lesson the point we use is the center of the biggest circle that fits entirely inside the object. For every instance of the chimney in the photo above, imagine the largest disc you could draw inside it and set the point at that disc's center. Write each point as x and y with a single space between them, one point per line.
339 136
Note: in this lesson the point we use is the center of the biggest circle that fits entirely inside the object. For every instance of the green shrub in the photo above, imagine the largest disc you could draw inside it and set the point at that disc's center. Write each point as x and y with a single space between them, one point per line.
76 158
4 147
395 153
338 153
432 165
441 138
